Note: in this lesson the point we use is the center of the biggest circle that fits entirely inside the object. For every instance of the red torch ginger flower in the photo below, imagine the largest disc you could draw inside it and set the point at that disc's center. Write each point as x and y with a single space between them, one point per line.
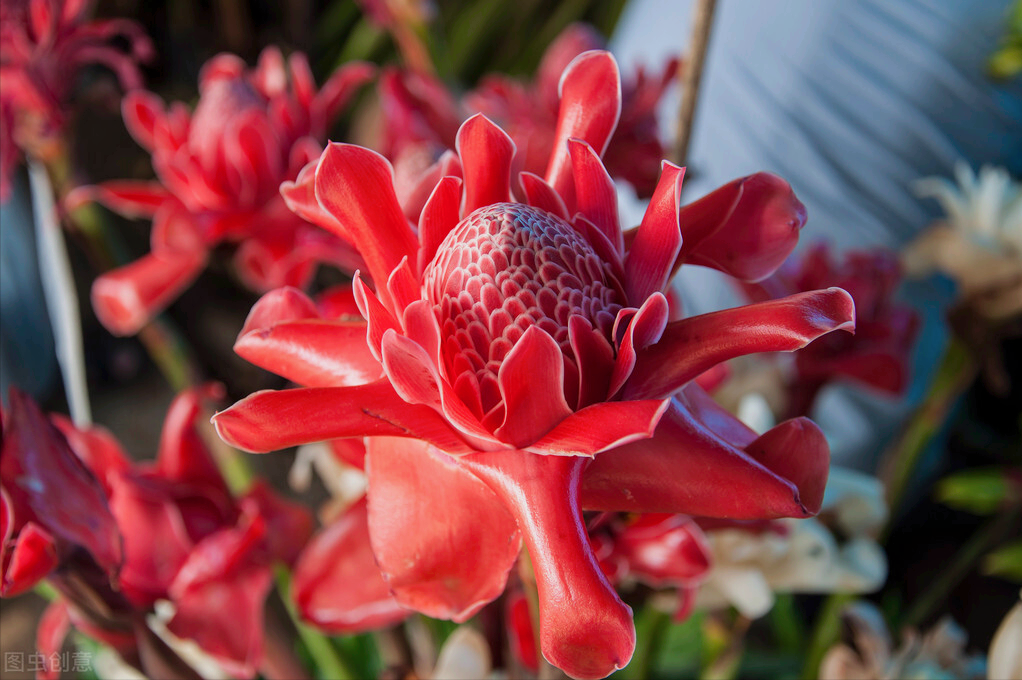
516 364
43 45
879 353
219 171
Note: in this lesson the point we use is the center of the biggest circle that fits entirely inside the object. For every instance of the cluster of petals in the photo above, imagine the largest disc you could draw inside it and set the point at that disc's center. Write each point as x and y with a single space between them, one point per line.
513 359
219 169
420 111
879 354
126 535
43 45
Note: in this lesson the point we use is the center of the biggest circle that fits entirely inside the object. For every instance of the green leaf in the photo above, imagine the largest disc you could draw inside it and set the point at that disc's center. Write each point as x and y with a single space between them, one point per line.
981 491
1005 562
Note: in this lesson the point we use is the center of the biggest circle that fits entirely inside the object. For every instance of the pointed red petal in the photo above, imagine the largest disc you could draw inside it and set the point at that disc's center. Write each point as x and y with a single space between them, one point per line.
143 115
32 556
312 353
531 380
271 420
126 197
595 195
183 455
54 625
486 153
687 468
337 584
356 186
694 345
541 195
590 107
585 628
439 216
751 240
127 298
288 525
602 426
96 446
652 254
378 319
438 557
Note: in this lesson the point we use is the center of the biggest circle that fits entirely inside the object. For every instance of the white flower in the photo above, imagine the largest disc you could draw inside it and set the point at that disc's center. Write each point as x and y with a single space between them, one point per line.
1005 660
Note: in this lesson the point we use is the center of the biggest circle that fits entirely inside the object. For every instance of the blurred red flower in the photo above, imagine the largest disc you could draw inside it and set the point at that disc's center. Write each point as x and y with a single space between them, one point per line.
219 171
43 45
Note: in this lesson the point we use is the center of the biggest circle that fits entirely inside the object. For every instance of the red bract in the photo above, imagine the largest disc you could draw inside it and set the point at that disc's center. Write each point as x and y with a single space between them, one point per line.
43 45
219 171
508 343
879 354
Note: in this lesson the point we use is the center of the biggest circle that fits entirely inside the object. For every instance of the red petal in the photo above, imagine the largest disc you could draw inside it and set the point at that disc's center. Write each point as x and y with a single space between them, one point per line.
336 92
251 151
183 455
312 353
436 555
378 319
531 380
337 302
300 198
687 468
590 91
595 358
143 115
225 618
356 186
302 80
486 153
439 216
270 420
602 426
595 195
694 345
31 558
279 306
652 254
541 195
585 628
54 625
337 585
126 197
645 327
127 298
664 550
753 238
96 446
288 525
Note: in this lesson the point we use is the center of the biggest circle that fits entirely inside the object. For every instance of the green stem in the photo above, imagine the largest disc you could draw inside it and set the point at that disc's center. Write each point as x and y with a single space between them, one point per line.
328 660
978 545
651 631
826 633
956 371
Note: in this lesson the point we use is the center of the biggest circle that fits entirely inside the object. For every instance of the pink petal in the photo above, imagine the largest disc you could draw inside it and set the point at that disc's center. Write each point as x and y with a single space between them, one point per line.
131 198
711 476
694 345
439 216
337 584
585 628
541 195
750 241
602 426
272 420
356 186
531 380
590 92
656 246
438 557
127 298
595 195
313 352
486 153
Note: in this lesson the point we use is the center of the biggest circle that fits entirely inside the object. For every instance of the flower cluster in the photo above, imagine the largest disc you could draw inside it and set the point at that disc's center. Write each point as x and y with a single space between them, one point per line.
125 536
514 360
219 171
43 46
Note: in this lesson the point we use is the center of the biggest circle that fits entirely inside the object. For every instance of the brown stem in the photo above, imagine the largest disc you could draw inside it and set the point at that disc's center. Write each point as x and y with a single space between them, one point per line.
691 75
